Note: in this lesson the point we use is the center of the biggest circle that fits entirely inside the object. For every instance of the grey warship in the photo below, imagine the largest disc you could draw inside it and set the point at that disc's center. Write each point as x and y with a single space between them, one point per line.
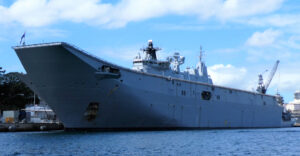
87 92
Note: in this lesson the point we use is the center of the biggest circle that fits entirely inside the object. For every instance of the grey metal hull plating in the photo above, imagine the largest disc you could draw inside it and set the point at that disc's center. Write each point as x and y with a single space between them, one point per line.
65 78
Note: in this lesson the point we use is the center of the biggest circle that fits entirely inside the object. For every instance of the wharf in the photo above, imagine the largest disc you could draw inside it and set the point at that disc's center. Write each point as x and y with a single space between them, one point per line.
297 125
21 127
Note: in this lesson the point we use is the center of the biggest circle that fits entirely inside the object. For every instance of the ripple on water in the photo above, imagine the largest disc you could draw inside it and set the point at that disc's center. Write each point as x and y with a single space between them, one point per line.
281 141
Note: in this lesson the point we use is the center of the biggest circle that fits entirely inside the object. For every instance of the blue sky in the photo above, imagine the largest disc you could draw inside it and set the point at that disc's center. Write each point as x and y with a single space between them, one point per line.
241 38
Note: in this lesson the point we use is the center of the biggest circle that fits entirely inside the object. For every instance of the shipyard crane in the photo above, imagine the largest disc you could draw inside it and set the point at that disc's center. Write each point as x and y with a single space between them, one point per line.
263 87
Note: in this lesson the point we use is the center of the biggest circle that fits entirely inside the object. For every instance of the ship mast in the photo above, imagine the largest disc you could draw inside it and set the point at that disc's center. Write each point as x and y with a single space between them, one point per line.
151 51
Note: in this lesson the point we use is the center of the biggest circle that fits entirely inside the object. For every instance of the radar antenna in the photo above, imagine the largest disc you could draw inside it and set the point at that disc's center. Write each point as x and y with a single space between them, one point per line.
176 60
150 51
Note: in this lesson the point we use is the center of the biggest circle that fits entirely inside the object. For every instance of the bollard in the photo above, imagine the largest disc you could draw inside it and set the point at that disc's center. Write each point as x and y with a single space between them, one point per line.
11 128
42 128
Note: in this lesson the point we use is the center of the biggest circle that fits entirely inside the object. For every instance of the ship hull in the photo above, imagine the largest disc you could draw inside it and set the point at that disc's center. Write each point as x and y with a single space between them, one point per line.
84 97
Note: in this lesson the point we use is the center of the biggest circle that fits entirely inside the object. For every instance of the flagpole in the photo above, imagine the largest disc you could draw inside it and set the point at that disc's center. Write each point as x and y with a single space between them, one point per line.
23 39
33 98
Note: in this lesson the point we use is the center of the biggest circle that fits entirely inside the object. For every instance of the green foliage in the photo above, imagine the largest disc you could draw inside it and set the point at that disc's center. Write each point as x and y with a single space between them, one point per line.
1 74
14 94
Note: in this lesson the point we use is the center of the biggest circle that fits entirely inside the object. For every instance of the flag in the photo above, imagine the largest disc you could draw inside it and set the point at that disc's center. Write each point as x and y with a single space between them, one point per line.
23 37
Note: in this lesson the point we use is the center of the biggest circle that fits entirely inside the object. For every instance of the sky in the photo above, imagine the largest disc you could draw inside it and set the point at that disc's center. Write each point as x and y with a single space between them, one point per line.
241 38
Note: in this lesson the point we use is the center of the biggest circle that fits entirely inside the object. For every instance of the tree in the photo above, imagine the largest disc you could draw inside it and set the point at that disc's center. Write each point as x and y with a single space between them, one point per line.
14 94
1 75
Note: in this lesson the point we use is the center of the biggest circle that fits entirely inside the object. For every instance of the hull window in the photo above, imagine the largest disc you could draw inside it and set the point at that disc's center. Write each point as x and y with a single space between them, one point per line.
206 95
91 111
183 92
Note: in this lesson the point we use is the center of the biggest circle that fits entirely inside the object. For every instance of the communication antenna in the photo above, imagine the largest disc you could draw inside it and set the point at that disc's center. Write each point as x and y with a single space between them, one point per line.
201 54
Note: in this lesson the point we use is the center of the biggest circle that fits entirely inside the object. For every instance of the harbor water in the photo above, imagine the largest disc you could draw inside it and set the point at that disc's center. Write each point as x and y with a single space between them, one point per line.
275 141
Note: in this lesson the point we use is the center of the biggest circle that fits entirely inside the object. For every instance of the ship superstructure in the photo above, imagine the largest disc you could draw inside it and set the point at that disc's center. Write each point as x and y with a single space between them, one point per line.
170 67
88 92
294 107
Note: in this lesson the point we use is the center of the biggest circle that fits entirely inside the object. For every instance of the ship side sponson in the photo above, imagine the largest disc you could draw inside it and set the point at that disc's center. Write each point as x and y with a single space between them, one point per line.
87 92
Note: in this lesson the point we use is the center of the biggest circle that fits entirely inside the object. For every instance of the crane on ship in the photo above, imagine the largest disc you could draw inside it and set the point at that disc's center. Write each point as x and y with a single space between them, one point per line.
263 87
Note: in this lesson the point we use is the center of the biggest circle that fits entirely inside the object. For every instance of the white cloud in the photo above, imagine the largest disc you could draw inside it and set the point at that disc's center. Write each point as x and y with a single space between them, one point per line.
242 8
276 20
293 42
288 81
271 45
35 13
228 75
266 38
287 77
262 50
285 22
